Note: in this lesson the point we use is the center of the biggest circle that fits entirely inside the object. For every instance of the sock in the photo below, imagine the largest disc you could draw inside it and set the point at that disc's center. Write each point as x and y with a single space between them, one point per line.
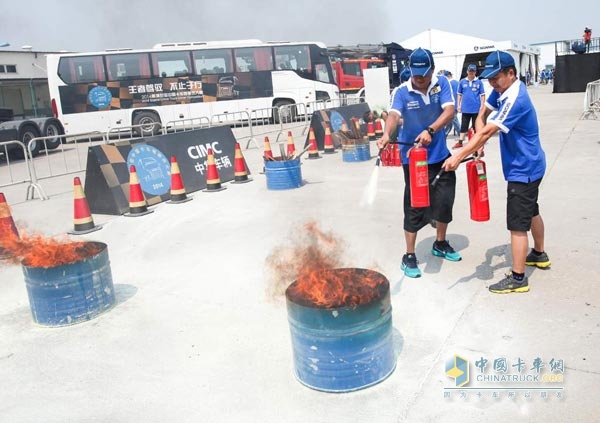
518 276
537 253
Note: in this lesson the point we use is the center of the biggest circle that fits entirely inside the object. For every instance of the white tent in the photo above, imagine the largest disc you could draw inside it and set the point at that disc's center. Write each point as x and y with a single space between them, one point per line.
454 52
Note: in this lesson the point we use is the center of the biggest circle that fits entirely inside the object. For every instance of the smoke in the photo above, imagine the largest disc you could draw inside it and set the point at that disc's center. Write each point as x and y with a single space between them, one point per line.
309 249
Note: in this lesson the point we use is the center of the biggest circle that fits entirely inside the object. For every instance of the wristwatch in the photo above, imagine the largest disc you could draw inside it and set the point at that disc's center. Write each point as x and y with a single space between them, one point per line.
430 130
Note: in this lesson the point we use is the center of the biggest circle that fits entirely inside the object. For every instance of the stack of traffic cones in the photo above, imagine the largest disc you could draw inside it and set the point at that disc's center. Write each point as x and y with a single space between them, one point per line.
378 128
291 147
178 194
240 173
268 154
137 201
213 182
328 146
371 131
8 230
313 149
83 223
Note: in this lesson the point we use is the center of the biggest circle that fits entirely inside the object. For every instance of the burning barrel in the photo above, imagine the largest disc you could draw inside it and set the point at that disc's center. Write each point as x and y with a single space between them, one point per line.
73 292
341 326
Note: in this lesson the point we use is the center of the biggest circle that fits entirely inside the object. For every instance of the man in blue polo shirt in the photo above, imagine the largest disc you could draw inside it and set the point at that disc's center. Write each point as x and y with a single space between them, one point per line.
424 105
470 99
510 111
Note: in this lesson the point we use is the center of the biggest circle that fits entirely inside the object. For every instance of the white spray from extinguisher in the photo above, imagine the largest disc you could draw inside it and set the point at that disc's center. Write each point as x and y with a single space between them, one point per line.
370 191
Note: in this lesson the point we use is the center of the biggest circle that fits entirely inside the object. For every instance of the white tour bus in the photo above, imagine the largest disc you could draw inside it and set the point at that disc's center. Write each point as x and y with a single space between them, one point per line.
180 81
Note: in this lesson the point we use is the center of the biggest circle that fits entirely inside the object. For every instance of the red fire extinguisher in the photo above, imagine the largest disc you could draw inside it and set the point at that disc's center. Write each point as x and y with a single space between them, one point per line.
478 191
419 177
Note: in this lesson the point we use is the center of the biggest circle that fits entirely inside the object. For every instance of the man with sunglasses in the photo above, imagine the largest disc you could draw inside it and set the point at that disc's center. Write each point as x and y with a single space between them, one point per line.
509 110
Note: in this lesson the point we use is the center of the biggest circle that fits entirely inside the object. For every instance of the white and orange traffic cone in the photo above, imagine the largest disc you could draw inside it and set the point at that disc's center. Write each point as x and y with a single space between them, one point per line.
371 131
240 172
268 153
137 201
213 182
291 147
328 146
313 149
83 223
8 230
178 194
378 128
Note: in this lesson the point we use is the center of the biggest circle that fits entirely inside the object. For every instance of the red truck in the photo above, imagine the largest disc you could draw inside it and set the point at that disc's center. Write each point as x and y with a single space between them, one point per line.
349 73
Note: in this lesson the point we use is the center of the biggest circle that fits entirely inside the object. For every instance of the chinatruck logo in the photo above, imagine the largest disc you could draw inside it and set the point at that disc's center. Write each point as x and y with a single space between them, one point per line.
499 377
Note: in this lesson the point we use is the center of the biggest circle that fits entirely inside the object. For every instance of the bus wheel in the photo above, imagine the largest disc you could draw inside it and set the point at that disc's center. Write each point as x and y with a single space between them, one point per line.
26 134
288 114
53 129
146 124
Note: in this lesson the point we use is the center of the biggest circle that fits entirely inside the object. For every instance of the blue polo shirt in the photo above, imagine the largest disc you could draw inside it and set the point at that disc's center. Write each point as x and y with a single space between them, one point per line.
523 159
454 85
471 92
420 111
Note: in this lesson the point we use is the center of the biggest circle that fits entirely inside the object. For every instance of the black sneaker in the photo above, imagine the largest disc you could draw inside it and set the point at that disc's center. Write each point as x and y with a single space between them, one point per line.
542 261
409 266
443 249
510 284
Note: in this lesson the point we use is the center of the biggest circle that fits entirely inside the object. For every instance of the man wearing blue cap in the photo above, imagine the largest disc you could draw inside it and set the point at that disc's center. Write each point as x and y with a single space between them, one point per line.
470 100
424 105
510 111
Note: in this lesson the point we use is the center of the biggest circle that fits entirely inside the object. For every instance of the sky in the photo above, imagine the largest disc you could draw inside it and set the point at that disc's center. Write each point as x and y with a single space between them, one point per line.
84 25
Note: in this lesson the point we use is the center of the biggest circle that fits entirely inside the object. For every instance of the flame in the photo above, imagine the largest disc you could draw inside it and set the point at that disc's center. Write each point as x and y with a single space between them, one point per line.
36 250
314 260
332 288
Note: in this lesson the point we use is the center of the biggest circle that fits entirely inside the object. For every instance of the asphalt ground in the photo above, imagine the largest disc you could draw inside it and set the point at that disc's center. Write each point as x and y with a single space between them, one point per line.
199 332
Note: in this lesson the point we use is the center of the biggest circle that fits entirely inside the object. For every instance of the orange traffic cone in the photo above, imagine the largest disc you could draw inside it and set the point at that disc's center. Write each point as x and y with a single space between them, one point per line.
137 201
370 131
213 183
313 149
268 153
8 230
328 146
291 147
178 194
344 126
378 128
83 223
240 173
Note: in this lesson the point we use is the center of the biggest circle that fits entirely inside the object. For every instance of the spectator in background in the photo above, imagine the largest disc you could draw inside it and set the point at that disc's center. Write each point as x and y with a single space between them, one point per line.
587 38
455 123
471 99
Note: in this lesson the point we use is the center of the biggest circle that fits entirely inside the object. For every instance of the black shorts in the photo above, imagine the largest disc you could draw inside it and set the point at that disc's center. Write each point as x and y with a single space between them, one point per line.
441 199
521 205
465 120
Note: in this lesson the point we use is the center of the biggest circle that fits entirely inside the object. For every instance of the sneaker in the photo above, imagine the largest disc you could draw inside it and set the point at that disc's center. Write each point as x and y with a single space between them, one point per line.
443 249
542 261
510 284
459 144
409 266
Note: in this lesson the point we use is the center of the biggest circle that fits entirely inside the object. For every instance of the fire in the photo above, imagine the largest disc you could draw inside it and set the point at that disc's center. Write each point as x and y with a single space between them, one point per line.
332 288
314 261
37 251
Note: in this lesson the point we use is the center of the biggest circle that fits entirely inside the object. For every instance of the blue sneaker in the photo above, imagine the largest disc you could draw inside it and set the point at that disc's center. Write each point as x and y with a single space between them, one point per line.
443 249
409 266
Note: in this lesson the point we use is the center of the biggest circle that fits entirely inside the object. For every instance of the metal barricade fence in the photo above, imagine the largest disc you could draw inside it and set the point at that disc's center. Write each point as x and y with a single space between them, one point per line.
18 172
591 100
134 131
188 124
69 157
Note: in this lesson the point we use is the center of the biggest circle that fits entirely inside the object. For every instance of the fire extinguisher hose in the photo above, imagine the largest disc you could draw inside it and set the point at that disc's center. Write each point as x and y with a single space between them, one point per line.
442 170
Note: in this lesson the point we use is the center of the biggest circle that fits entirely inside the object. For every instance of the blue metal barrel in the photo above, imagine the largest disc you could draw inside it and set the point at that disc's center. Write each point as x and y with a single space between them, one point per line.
70 293
345 348
359 152
284 174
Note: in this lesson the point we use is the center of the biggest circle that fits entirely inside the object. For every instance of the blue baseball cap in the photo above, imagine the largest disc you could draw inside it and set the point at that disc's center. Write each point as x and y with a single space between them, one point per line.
471 67
420 62
495 62
447 73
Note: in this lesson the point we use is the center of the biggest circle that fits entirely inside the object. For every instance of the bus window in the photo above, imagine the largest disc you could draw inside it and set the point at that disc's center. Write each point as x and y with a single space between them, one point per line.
292 57
253 59
81 69
322 73
130 65
212 61
172 63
